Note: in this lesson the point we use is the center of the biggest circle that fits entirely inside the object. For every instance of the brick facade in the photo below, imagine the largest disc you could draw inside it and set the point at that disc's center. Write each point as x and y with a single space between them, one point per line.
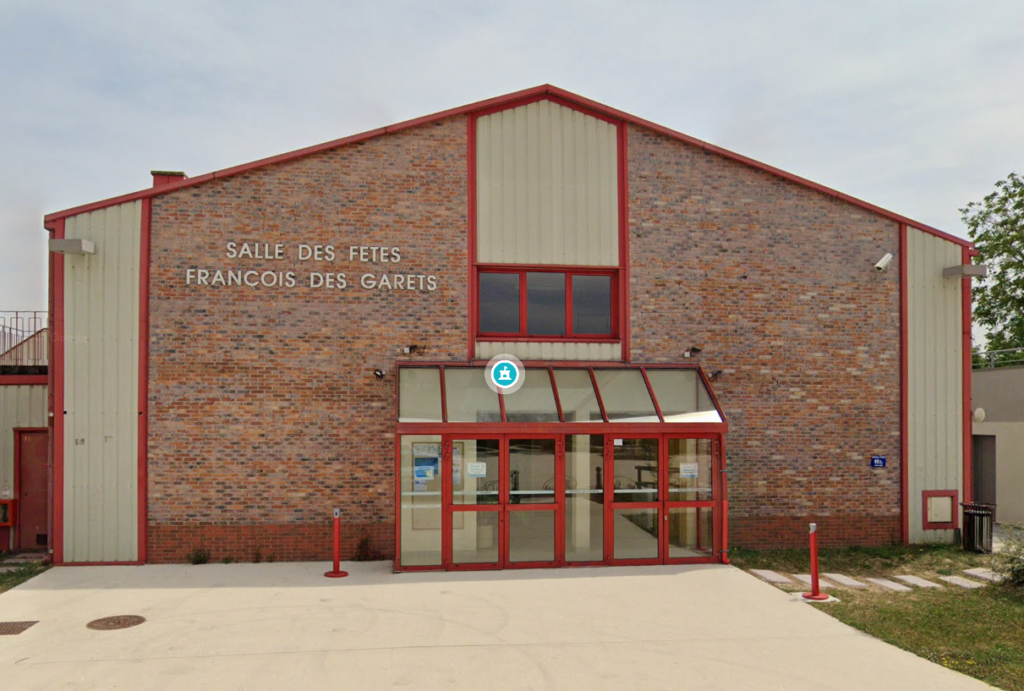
265 413
775 284
264 410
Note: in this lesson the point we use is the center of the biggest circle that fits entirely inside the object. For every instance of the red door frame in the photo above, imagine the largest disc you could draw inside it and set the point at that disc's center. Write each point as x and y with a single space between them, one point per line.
557 507
611 506
14 540
715 503
449 509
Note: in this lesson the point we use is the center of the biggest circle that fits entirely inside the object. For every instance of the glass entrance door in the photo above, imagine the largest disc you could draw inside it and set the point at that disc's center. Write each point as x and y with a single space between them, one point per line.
691 487
633 523
535 482
474 517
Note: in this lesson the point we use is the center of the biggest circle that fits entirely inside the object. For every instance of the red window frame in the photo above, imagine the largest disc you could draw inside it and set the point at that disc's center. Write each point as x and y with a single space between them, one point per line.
954 496
568 273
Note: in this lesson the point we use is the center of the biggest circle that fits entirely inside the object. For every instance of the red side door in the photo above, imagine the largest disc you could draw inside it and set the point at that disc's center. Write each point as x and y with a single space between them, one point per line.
33 480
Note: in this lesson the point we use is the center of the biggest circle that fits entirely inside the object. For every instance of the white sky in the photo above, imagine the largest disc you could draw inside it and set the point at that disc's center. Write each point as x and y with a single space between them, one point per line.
917 107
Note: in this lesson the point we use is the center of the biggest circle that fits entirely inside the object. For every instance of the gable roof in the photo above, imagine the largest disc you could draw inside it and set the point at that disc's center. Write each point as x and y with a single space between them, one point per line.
508 100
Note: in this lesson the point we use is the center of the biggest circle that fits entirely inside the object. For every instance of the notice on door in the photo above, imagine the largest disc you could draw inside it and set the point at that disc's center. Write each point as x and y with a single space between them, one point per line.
476 470
689 470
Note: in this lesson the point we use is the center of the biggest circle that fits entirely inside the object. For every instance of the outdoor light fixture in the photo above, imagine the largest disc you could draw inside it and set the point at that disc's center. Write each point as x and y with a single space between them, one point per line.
962 271
715 375
379 373
414 349
72 246
694 350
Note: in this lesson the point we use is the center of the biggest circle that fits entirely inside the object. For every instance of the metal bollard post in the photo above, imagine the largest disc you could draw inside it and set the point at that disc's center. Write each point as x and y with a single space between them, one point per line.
337 572
815 593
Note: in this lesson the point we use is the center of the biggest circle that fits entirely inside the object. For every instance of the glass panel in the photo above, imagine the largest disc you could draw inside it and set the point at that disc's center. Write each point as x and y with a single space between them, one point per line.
592 305
636 534
499 303
421 500
534 401
419 394
681 396
545 304
531 470
636 470
531 536
584 497
690 532
475 471
475 537
689 470
576 392
625 395
468 397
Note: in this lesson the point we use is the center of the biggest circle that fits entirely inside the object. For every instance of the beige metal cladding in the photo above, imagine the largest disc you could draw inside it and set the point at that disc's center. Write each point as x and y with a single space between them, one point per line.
20 406
535 350
547 187
101 387
935 375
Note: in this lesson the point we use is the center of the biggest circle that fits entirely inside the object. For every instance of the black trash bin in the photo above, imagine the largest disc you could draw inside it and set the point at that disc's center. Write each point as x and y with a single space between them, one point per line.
977 534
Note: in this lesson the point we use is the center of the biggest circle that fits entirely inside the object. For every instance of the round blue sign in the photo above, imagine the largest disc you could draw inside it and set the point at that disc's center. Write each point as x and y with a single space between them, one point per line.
504 374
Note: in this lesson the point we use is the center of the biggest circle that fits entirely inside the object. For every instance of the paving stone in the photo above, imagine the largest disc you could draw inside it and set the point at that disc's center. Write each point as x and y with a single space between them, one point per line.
805 578
984 574
770 576
891 585
918 581
962 582
844 581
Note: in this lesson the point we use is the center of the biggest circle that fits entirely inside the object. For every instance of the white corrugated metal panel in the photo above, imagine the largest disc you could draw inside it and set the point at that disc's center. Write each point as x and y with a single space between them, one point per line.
935 375
101 390
547 187
534 350
20 406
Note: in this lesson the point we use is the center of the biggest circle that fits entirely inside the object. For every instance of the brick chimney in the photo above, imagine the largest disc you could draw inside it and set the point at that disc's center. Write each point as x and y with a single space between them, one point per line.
162 178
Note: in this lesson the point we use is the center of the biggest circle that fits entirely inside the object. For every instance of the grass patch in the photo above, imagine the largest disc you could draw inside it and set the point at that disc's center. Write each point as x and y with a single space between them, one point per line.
15 577
977 632
921 560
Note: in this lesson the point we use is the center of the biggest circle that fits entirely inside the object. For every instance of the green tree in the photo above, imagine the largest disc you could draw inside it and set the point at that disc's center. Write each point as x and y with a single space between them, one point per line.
996 225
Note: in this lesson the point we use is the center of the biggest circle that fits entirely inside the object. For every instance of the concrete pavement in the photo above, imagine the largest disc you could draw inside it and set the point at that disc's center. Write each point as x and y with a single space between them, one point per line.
285 626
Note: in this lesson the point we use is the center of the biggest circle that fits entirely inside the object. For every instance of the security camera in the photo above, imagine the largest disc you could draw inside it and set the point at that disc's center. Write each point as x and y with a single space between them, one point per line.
379 373
884 262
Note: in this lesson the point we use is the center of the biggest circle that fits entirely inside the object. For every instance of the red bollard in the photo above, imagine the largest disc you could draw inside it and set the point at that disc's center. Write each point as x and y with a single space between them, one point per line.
337 572
815 593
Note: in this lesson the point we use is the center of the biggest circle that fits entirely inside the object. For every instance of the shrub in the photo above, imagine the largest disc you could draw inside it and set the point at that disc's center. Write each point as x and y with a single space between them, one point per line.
1010 558
198 555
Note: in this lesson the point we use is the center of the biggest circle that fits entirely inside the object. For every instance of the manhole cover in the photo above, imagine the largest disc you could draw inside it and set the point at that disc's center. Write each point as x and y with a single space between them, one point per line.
123 621
13 628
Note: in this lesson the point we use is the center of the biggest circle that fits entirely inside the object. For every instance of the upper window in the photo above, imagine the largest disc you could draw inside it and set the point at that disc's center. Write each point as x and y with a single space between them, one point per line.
553 304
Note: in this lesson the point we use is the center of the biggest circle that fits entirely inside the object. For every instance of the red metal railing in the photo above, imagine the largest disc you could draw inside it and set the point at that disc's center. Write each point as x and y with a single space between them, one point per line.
23 338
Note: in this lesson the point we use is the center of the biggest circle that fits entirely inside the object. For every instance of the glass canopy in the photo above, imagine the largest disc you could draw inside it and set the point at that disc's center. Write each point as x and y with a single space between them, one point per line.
557 394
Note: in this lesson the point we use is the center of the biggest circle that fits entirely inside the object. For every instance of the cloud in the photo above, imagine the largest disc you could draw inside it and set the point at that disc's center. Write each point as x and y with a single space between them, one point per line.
911 106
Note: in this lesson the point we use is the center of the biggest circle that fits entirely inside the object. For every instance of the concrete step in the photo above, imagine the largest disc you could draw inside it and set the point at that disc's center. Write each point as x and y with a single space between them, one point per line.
771 576
844 581
918 581
890 585
962 582
984 574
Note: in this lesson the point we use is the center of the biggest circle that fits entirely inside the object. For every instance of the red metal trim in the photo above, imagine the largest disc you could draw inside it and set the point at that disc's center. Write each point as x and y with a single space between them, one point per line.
444 397
548 268
471 277
725 500
710 389
24 379
597 393
524 324
968 460
904 388
143 471
57 368
650 391
617 428
547 96
553 93
554 390
491 337
623 287
953 495
398 502
103 563
501 407
50 388
569 330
